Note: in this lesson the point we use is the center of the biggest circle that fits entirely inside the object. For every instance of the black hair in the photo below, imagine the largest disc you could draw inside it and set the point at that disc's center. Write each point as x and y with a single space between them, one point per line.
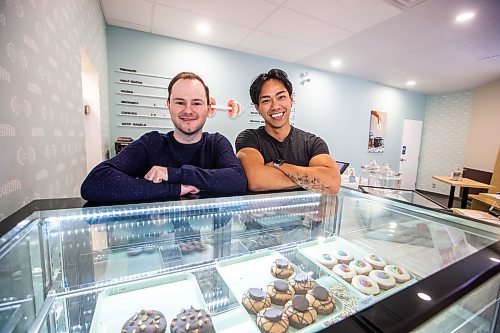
273 74
187 76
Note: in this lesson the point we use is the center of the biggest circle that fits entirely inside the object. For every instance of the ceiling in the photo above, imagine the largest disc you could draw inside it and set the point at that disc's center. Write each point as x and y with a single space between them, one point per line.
385 41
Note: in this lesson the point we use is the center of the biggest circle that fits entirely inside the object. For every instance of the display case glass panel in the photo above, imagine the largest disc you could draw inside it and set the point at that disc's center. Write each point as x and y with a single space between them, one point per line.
91 269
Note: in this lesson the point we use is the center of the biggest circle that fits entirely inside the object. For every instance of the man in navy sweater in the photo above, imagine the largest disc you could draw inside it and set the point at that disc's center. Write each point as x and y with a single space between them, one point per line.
182 162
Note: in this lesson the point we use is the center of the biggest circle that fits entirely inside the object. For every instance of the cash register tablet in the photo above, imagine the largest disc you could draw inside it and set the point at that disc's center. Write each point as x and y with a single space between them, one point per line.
342 166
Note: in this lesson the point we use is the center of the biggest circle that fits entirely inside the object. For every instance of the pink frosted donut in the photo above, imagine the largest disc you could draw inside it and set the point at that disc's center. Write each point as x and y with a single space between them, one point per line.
399 273
365 284
384 280
375 261
344 271
360 267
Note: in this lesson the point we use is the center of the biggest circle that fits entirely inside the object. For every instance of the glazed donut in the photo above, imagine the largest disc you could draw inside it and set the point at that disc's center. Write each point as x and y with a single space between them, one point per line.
212 110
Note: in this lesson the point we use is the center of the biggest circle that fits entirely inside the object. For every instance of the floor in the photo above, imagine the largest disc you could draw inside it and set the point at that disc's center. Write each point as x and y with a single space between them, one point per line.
442 199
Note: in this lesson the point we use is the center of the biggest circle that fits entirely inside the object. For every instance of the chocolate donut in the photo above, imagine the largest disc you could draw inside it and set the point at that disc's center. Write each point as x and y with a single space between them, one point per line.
146 321
255 299
272 320
300 313
192 320
281 269
280 292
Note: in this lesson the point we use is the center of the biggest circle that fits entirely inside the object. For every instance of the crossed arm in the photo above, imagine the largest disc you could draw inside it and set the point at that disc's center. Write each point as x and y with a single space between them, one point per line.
321 176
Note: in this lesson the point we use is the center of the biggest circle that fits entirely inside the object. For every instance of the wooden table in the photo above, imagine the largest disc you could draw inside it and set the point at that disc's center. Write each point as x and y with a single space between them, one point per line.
484 201
465 183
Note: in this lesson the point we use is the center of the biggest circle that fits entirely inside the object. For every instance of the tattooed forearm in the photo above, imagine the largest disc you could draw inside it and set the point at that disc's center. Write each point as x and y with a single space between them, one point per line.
313 184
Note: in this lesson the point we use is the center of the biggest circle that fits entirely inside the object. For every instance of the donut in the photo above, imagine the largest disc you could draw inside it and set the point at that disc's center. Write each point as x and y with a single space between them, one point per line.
365 284
327 260
191 321
281 269
375 261
385 281
255 299
300 313
301 282
280 292
272 320
360 267
212 110
321 300
343 256
233 107
400 274
344 271
145 321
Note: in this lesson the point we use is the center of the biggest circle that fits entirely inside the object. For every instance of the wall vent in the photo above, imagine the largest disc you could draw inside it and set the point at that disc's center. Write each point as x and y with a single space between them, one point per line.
405 4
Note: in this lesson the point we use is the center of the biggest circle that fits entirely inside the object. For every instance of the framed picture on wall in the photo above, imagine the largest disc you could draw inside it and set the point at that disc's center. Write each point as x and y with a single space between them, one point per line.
376 136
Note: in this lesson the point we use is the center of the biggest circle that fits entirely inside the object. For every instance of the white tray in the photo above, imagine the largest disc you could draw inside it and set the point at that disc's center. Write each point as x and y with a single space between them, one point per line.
315 248
254 271
168 294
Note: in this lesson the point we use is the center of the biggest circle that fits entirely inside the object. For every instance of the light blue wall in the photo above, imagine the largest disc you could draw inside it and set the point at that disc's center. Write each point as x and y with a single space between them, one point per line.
335 107
42 140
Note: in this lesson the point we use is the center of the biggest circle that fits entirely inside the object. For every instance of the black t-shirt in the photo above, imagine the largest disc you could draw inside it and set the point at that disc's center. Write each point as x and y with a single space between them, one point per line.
298 147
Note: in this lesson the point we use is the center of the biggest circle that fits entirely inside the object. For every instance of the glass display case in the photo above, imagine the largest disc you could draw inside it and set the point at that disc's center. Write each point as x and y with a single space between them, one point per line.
95 269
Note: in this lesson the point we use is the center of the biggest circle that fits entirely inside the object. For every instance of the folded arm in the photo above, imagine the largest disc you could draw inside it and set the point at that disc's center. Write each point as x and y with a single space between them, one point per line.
227 177
262 177
120 179
321 176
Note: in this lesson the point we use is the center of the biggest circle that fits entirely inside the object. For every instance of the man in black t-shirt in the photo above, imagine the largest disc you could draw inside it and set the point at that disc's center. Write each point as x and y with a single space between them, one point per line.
279 156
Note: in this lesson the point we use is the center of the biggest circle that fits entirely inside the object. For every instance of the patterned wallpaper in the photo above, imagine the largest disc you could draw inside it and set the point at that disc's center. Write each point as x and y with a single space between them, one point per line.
444 137
42 135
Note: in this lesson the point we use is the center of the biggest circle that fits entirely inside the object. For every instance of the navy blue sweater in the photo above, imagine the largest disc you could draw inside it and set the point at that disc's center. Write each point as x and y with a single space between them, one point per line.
209 164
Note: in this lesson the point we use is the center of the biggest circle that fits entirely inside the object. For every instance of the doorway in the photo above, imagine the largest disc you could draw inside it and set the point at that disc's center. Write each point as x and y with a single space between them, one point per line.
92 111
410 153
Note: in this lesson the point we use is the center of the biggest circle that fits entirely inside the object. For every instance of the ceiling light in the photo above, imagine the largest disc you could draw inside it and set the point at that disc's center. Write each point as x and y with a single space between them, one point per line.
203 28
464 17
336 63
410 83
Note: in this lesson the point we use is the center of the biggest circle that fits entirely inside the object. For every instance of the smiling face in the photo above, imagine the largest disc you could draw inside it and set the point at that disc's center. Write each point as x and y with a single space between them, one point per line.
188 109
275 104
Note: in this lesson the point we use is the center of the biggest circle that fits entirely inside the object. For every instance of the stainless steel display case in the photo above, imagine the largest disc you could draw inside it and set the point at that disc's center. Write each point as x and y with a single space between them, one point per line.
90 269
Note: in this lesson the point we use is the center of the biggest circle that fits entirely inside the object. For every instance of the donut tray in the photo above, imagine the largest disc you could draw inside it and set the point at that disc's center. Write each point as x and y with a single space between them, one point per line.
313 249
115 305
254 270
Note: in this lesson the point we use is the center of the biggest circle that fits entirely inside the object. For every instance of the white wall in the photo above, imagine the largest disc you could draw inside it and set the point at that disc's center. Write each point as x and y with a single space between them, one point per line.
484 130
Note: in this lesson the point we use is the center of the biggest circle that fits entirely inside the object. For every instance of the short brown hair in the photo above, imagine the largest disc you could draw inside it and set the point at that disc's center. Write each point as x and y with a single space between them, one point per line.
187 76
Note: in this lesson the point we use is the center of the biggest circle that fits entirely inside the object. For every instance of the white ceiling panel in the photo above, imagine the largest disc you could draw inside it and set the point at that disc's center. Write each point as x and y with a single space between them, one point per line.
352 15
375 39
182 24
269 44
246 13
133 11
292 25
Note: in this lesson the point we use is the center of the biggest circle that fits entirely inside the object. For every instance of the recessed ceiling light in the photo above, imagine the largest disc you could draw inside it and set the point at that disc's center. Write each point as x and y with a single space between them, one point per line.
464 17
336 63
410 83
203 28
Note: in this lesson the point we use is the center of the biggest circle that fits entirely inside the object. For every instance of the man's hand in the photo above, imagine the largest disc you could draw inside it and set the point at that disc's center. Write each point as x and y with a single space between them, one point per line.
157 174
189 189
